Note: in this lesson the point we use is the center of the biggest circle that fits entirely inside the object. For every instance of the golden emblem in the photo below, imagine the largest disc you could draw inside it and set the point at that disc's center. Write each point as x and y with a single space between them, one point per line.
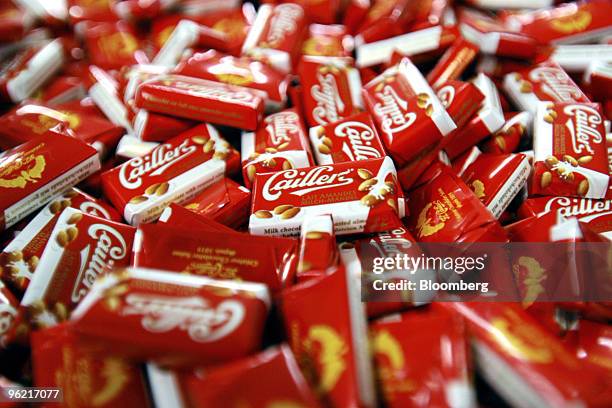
32 175
425 225
331 357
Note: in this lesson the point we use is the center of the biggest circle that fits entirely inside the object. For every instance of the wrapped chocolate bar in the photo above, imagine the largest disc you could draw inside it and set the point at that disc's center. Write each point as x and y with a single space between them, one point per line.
422 355
111 45
546 81
155 127
497 179
328 41
599 78
363 198
326 325
176 171
280 143
233 383
170 318
461 100
80 249
591 342
347 140
571 156
242 71
14 22
20 258
8 314
180 217
83 10
384 20
452 64
269 260
30 67
332 89
130 147
276 35
407 112
31 174
318 249
202 100
85 380
509 137
104 91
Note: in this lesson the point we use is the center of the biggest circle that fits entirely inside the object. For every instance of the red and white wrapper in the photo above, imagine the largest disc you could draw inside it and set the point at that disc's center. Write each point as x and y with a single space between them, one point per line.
14 22
452 64
411 44
461 100
599 77
326 325
546 81
155 127
268 260
236 382
202 100
497 179
104 91
330 40
363 198
318 249
409 115
577 58
130 147
570 151
180 217
172 319
280 143
508 138
242 71
332 89
350 139
489 119
276 35
175 171
111 45
29 69
597 214
20 258
80 249
510 4
84 10
8 314
33 173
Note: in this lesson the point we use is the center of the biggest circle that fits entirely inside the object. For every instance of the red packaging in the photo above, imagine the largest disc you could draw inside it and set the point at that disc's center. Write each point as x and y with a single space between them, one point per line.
104 91
268 260
172 319
386 19
202 100
354 13
65 88
461 163
233 383
225 201
175 171
242 71
408 114
111 45
280 143
180 217
331 89
461 100
233 23
592 343
452 64
438 373
155 127
134 9
14 22
318 249
497 179
348 140
599 76
364 198
8 314
32 173
546 81
20 258
80 249
446 210
85 380
87 10
328 41
507 139
570 152
326 326
276 35
130 147
542 371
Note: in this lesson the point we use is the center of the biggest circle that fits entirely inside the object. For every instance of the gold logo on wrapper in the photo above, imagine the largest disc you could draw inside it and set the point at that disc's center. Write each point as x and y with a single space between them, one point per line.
118 44
478 188
572 23
235 79
332 352
391 373
32 175
426 225
533 277
520 339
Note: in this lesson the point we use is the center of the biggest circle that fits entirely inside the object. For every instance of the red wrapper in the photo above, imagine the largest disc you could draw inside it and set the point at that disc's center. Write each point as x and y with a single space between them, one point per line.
325 322
80 249
172 319
438 373
135 9
226 202
180 217
32 173
111 45
14 22
65 88
20 258
175 171
280 143
570 152
354 13
452 64
507 139
328 41
386 19
8 314
85 380
233 24
130 147
87 10
242 71
155 127
364 198
546 81
276 35
599 76
103 89
446 210
592 343
318 249
497 179
268 260
331 89
236 382
408 114
524 363
347 140
461 100
202 100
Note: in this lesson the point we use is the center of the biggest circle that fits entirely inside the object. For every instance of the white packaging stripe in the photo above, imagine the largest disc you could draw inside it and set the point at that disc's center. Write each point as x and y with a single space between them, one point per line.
568 229
257 28
247 145
184 36
130 146
137 245
491 114
140 121
511 4
165 389
591 36
510 188
320 158
354 82
524 101
579 57
165 215
542 134
108 102
487 42
319 223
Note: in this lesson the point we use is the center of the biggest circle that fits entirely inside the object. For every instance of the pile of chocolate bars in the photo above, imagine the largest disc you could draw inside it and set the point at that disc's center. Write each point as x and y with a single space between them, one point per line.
191 191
